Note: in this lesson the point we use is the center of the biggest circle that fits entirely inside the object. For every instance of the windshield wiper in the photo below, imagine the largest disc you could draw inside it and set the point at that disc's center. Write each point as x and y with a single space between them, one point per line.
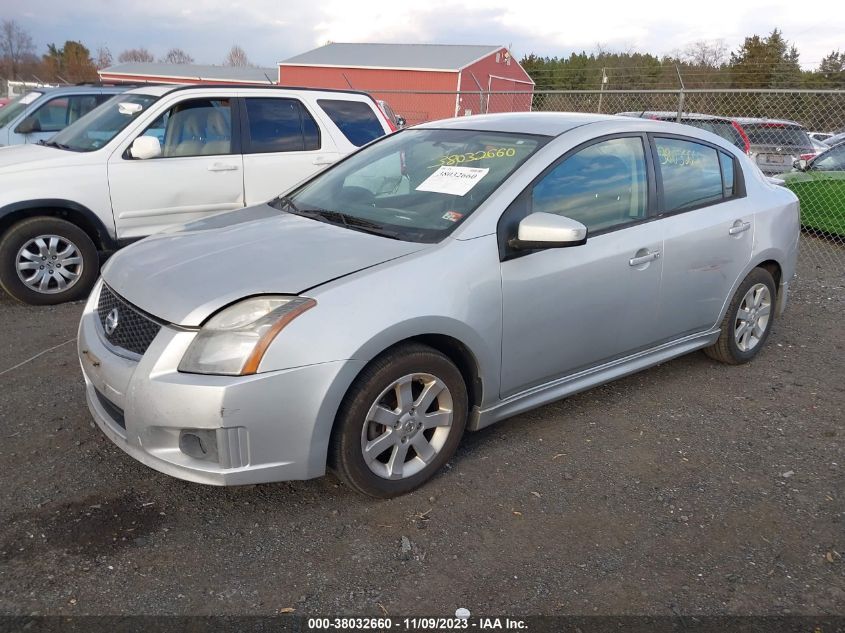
54 144
338 217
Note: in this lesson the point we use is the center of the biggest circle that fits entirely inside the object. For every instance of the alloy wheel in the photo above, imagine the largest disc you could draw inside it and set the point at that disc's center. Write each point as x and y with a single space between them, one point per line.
752 317
407 426
49 264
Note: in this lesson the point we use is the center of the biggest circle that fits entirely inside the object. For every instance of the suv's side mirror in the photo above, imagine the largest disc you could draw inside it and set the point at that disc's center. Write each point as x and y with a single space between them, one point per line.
29 125
547 230
401 122
801 164
145 147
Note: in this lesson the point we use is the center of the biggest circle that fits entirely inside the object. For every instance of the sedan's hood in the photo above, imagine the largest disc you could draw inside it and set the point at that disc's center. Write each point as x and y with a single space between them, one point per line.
186 276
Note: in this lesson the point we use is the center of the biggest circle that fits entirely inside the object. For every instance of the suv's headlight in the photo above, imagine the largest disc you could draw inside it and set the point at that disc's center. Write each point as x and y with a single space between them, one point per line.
234 340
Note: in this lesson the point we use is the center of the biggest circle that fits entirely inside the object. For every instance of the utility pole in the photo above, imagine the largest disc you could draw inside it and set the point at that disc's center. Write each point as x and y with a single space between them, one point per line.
601 90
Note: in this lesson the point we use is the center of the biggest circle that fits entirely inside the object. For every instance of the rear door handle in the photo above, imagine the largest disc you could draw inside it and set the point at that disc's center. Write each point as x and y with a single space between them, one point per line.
739 227
644 259
222 167
323 161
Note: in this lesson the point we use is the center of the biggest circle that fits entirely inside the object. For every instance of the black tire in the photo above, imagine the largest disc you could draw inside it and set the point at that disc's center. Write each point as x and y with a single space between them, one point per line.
21 234
726 349
346 451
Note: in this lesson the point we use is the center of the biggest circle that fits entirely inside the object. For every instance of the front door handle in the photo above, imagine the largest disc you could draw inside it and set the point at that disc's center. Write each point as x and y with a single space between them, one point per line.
644 259
222 167
739 227
323 161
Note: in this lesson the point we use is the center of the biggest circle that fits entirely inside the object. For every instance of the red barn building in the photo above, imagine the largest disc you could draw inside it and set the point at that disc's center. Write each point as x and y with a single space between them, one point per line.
457 78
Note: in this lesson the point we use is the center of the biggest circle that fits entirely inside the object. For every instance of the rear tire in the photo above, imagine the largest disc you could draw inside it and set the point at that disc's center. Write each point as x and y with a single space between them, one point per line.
45 261
748 320
400 422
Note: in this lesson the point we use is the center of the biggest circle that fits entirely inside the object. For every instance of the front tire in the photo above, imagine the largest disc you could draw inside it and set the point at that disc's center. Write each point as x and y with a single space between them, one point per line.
748 320
45 261
400 422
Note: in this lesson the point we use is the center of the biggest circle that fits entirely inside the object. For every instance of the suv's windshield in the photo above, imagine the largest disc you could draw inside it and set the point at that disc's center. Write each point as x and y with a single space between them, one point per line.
16 106
102 124
416 185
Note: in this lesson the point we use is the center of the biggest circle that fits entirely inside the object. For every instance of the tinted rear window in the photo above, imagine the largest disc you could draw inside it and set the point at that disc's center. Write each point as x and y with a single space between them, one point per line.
280 125
356 119
776 134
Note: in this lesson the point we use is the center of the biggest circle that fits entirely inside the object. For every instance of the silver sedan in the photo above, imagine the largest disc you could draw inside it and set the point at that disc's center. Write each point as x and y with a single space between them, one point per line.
441 279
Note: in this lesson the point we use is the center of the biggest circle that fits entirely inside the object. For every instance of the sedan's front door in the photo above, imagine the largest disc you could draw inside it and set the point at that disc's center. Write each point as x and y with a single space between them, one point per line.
566 310
199 172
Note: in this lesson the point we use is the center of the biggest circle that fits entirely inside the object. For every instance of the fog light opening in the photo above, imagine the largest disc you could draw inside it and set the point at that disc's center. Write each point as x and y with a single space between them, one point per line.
199 444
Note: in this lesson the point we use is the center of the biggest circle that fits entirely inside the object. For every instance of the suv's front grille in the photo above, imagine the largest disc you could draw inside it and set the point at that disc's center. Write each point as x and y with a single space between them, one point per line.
124 325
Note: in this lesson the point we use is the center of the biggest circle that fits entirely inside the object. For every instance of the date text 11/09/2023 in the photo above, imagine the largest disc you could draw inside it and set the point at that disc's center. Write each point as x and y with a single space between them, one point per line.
416 624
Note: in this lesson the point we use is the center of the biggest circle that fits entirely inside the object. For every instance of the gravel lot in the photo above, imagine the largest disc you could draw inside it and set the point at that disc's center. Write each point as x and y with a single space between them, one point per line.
690 488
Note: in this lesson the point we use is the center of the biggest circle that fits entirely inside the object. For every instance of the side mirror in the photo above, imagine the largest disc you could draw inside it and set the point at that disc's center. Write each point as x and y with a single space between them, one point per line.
547 230
401 122
145 147
801 164
29 125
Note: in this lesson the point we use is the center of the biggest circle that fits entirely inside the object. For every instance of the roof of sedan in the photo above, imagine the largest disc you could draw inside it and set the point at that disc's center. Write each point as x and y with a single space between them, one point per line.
543 123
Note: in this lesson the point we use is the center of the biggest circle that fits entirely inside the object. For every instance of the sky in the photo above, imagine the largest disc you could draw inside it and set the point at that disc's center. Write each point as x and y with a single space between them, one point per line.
273 30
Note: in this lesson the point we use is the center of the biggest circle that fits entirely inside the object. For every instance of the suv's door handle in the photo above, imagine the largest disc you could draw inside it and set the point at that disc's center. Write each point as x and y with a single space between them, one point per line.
739 227
644 259
222 167
323 161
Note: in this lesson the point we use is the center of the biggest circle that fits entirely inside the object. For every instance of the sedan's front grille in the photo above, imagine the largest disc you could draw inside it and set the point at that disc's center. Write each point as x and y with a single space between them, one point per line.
124 325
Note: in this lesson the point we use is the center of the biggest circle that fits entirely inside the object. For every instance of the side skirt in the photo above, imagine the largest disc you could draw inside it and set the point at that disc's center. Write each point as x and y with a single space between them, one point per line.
572 384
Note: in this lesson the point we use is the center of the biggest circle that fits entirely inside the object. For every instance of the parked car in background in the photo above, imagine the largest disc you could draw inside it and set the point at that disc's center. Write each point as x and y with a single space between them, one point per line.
776 143
835 140
155 157
724 127
820 186
490 265
3 102
820 136
397 121
42 112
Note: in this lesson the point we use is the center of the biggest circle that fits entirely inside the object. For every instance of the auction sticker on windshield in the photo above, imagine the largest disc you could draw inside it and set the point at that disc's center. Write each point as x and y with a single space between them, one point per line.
456 181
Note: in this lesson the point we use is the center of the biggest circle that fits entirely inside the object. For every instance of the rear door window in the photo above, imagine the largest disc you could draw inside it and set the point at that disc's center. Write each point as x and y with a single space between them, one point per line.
280 125
356 119
690 173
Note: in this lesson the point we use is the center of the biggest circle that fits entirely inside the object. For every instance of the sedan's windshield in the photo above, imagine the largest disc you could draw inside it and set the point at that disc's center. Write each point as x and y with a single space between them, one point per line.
102 124
416 185
12 109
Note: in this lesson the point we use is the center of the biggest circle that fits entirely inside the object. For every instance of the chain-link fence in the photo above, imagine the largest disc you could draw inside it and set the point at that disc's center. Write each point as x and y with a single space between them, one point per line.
786 132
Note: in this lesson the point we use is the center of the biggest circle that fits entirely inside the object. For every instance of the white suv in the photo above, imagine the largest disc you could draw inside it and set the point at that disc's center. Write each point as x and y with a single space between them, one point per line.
156 157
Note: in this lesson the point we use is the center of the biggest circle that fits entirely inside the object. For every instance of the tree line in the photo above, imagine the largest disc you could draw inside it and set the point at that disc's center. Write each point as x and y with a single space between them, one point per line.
74 62
760 62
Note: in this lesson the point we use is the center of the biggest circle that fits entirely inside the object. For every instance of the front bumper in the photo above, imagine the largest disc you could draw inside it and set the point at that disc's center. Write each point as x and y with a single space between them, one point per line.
272 426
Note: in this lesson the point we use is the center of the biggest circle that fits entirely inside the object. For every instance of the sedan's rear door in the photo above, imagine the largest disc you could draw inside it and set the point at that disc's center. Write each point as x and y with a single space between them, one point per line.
707 225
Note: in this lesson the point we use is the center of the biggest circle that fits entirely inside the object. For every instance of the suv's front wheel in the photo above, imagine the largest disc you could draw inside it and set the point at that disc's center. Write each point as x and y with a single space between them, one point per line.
44 261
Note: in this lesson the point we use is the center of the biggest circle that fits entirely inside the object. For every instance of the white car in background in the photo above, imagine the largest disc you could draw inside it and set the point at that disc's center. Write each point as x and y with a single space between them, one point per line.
156 157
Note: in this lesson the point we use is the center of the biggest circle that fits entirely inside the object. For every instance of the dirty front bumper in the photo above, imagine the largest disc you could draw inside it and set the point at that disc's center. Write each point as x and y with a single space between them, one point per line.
220 430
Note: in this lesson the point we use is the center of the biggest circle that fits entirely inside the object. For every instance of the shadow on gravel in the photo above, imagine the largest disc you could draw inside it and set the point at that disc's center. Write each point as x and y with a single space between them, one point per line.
89 527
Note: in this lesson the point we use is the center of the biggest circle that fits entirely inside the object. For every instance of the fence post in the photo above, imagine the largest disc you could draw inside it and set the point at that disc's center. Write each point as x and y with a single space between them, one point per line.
680 94
601 90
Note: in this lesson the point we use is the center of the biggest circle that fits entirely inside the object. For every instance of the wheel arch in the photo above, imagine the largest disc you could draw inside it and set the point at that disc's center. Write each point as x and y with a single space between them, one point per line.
768 262
68 210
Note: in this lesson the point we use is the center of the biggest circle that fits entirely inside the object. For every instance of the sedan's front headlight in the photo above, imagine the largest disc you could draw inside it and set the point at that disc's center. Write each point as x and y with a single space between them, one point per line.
234 340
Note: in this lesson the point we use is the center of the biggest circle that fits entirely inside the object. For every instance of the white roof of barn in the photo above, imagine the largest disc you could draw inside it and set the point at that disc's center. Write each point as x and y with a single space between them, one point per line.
193 71
448 57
